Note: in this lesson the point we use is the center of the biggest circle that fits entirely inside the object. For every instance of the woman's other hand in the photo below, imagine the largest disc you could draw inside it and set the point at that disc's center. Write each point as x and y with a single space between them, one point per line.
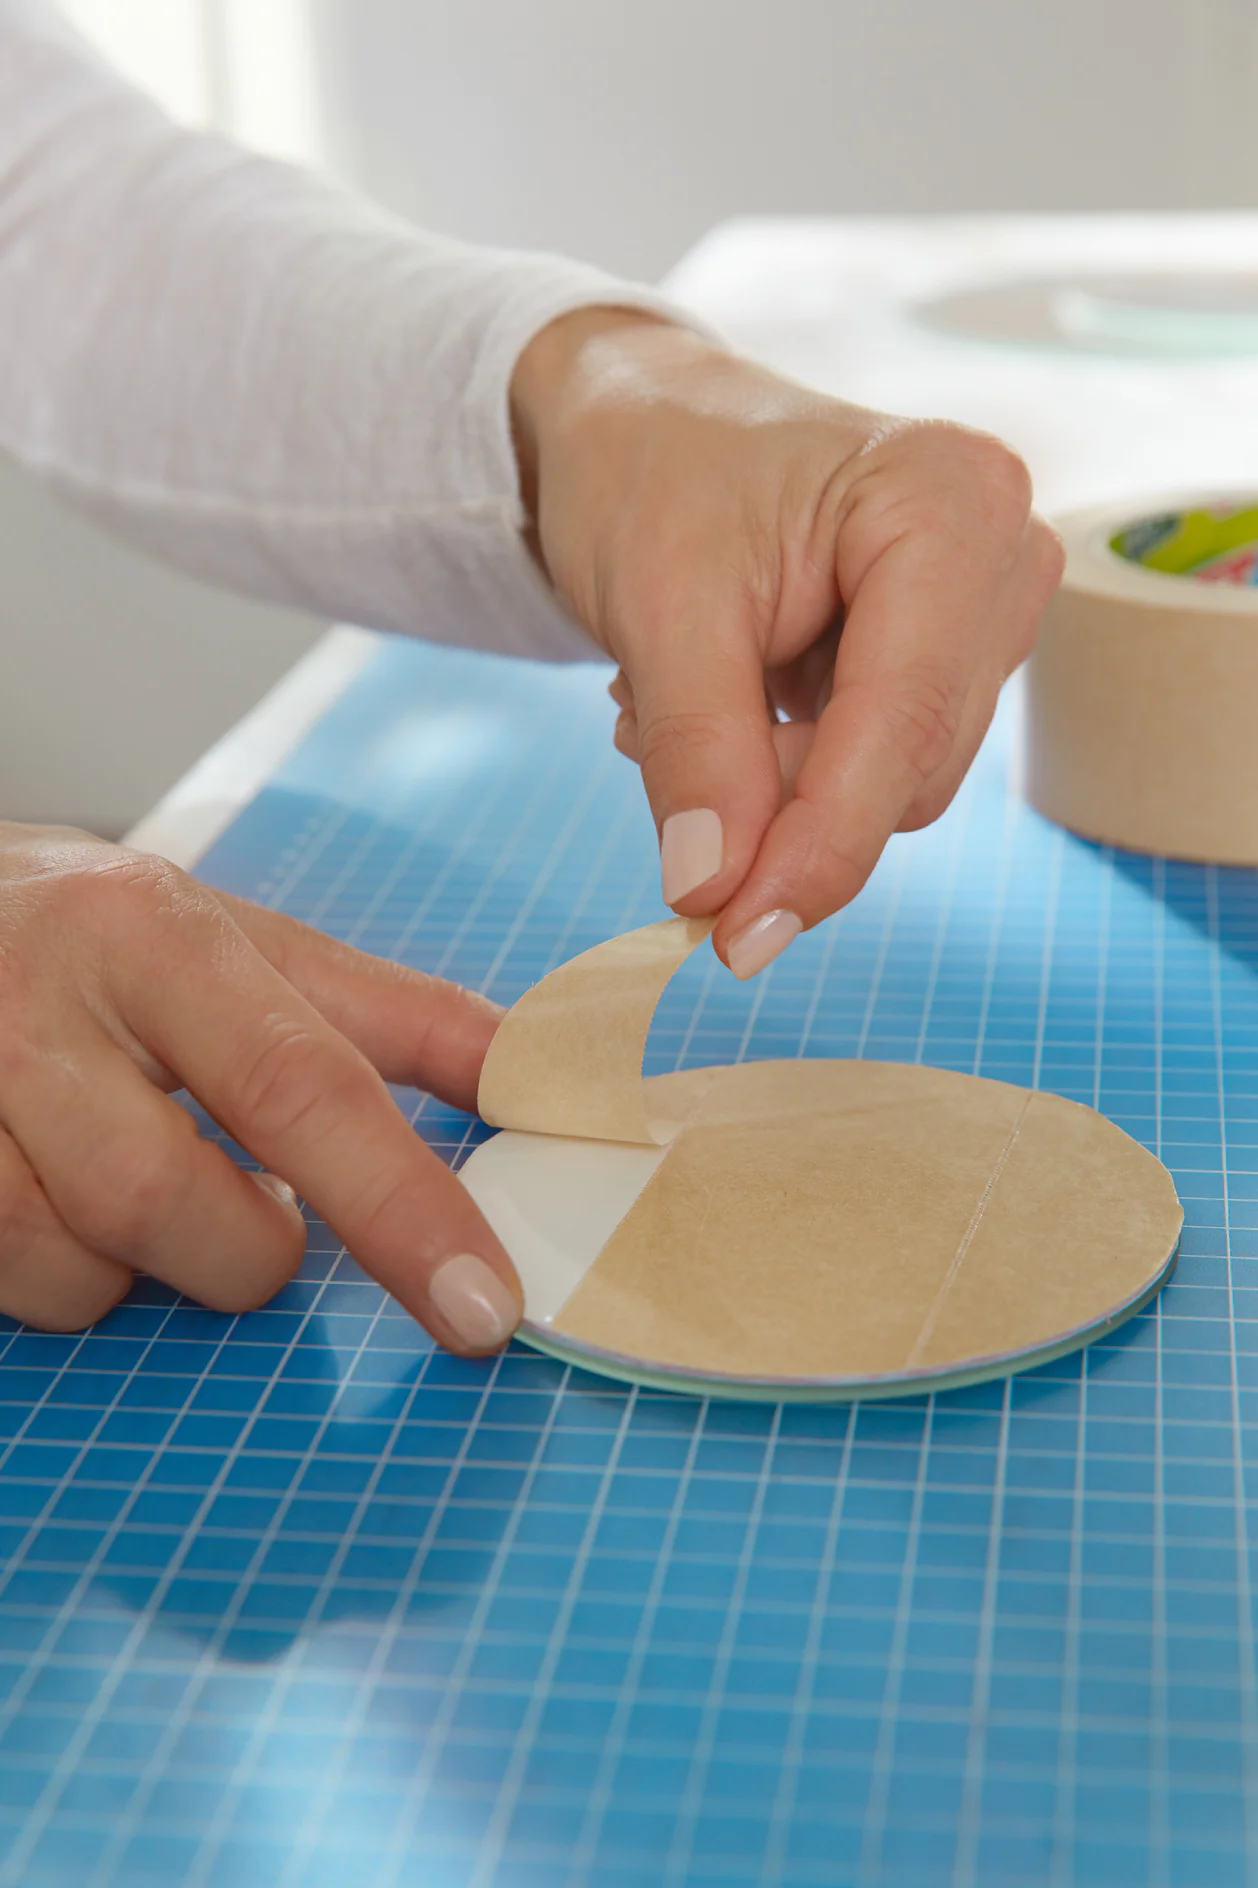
714 526
122 979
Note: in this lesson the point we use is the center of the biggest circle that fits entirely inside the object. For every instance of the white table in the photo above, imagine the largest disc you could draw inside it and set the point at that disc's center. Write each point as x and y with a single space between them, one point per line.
831 302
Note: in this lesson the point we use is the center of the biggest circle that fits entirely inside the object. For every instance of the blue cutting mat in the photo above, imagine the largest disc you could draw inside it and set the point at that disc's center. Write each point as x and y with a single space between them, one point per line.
290 1599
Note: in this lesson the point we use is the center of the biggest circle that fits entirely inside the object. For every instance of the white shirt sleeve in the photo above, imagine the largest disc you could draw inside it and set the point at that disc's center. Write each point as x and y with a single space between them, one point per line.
256 376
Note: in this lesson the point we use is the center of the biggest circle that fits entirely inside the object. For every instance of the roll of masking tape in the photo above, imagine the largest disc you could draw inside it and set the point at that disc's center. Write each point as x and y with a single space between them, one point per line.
1142 693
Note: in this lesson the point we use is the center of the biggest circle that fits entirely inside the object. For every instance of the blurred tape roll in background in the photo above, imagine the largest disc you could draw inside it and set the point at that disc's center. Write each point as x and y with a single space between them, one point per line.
1142 729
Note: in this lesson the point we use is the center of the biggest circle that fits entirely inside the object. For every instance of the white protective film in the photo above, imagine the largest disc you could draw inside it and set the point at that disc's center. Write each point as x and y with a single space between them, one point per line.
555 1203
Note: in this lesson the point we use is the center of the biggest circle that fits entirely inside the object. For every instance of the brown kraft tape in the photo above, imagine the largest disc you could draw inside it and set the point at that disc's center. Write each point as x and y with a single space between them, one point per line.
1142 693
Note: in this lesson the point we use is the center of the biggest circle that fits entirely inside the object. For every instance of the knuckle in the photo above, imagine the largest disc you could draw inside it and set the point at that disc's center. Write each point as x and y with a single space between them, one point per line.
703 752
406 1199
993 472
120 884
71 917
126 1199
998 467
385 1204
922 723
831 869
838 866
291 1084
694 734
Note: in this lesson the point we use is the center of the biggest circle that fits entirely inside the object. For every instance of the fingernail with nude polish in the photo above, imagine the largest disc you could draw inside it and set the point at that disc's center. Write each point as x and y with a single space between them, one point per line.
692 850
474 1302
277 1188
763 940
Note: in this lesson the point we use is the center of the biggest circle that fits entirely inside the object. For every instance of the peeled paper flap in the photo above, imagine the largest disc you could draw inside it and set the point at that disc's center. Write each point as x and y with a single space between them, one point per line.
567 1058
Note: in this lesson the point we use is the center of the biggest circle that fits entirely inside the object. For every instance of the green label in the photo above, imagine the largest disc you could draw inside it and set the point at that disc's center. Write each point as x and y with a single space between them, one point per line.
1215 546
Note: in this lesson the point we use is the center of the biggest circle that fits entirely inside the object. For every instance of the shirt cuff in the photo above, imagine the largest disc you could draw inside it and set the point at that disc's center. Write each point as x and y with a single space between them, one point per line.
512 606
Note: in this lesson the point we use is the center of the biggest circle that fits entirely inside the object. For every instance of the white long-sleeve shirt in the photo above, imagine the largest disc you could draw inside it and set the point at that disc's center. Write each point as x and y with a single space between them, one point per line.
256 376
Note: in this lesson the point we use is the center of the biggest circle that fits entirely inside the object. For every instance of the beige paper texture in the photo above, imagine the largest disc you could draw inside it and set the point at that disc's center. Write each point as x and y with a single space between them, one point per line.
1140 702
824 1219
567 1058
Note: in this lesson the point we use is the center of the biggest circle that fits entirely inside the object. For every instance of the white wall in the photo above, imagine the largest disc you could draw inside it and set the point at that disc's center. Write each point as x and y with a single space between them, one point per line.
614 129
622 129
115 675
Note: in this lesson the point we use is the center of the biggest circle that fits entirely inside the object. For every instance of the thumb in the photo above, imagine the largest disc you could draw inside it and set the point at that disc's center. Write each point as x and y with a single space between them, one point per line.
705 746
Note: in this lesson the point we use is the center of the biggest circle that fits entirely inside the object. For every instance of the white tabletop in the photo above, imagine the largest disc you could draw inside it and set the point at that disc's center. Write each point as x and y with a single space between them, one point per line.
835 303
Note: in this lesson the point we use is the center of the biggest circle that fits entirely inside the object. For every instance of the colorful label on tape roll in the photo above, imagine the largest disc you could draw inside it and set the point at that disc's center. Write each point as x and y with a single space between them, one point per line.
1216 544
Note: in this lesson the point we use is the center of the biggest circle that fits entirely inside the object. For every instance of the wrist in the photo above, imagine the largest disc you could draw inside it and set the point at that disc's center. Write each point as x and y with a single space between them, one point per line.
553 367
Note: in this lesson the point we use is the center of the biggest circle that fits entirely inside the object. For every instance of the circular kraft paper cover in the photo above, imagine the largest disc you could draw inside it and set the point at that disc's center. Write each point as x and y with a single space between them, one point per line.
831 1230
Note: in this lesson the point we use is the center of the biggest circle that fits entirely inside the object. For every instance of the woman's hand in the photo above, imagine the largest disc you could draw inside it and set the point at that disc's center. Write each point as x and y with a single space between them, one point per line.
122 979
713 527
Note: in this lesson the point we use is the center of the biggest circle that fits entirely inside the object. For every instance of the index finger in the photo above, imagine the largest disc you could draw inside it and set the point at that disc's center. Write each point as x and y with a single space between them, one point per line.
308 1105
916 675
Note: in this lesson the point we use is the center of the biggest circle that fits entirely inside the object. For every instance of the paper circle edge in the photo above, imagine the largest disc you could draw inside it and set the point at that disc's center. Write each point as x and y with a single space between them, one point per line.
720 1386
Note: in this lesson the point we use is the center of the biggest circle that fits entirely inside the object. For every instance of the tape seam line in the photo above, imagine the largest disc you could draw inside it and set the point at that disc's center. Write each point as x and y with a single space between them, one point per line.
967 1239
